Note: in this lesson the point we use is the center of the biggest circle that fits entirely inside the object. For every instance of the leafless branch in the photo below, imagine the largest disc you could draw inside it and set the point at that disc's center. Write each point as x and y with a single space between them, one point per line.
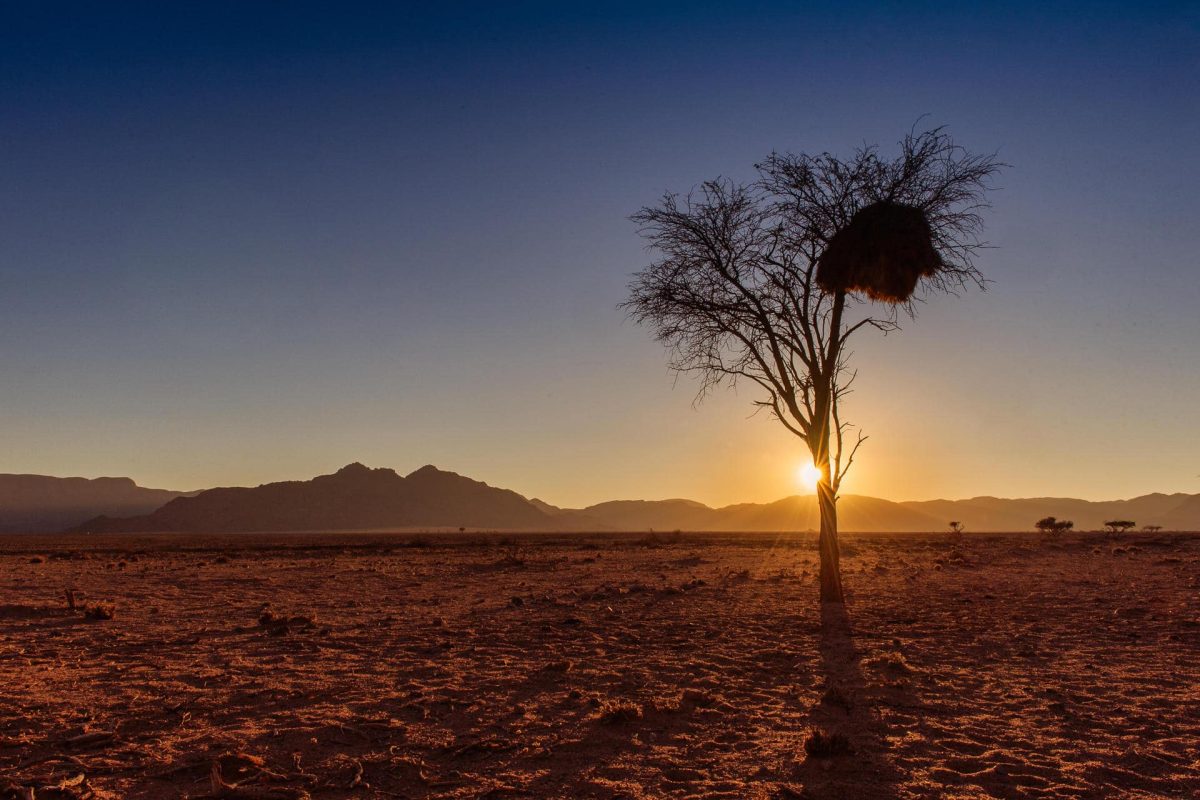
732 291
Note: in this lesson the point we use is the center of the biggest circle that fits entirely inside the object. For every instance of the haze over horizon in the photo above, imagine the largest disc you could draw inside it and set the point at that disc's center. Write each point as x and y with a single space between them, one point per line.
237 248
534 495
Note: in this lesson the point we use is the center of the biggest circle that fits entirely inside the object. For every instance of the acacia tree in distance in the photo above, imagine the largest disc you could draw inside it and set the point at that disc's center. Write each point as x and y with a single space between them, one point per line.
1053 525
766 282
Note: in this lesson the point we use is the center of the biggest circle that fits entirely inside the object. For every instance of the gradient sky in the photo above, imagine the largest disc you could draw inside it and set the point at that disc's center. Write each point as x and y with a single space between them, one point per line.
246 242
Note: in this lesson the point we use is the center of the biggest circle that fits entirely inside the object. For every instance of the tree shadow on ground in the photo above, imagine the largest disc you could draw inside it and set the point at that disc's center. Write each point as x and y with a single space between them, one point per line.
849 706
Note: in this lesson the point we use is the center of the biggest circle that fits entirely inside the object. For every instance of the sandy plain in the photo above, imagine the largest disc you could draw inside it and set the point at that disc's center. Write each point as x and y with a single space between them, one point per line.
606 666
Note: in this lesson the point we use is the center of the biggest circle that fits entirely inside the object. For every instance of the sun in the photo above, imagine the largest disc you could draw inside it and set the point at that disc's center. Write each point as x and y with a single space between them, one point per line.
808 475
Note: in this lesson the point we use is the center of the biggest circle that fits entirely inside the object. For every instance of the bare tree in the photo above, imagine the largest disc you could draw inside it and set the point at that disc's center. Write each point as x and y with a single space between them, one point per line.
738 290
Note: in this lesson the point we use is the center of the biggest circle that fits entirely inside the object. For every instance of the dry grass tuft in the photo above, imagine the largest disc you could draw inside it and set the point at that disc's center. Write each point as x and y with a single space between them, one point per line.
100 611
282 624
617 712
511 554
820 743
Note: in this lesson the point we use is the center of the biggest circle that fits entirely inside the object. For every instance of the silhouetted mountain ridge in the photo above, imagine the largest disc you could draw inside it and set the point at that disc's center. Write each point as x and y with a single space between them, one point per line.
357 497
44 503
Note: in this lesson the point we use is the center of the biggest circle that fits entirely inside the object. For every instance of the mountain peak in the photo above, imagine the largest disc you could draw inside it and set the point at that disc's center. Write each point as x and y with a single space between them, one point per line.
429 470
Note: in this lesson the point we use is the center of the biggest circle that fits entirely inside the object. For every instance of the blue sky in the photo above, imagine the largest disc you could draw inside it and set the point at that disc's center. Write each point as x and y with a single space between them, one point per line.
254 241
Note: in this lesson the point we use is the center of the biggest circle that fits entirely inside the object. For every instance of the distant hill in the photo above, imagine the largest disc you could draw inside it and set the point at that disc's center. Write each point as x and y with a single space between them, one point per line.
1183 517
1171 511
798 513
34 503
870 514
360 498
353 498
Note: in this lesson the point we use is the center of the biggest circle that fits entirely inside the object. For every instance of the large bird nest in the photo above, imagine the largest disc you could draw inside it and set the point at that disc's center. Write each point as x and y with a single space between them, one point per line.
883 252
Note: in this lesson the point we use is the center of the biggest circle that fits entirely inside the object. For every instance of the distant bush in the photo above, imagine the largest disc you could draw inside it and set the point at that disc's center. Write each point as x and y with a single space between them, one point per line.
1053 525
1119 525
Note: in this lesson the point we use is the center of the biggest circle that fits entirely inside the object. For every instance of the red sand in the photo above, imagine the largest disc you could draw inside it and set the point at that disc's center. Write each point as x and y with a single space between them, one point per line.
1010 667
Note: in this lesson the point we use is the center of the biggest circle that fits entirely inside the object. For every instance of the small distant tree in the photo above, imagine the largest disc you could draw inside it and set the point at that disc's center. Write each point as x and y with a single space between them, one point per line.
1053 525
956 527
1152 528
1119 525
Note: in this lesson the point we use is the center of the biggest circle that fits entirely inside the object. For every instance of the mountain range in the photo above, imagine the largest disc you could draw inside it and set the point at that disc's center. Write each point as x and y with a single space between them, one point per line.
43 503
360 498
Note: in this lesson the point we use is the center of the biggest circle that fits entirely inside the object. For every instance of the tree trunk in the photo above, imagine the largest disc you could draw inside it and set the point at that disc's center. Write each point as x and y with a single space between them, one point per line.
827 544
826 396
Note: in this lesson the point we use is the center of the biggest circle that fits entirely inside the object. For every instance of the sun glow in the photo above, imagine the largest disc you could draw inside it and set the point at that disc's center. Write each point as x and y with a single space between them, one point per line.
807 476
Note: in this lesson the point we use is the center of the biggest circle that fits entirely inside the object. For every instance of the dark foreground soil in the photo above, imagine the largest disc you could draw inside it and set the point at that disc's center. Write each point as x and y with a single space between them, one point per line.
598 667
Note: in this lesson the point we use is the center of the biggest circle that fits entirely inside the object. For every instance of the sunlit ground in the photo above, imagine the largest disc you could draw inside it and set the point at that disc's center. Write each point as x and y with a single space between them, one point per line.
635 667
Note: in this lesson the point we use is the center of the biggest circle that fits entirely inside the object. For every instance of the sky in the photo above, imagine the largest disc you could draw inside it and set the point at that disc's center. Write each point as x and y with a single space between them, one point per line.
246 242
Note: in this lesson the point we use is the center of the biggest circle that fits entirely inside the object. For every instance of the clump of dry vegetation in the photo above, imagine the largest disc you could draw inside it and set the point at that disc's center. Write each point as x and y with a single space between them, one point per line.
820 743
279 624
100 611
616 712
511 553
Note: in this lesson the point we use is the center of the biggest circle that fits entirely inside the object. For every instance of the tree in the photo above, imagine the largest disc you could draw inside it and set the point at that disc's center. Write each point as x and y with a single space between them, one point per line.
1119 525
1053 525
956 527
764 283
1152 528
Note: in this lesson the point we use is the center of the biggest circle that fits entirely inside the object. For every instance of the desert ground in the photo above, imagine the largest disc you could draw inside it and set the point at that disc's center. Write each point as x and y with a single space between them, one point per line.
606 666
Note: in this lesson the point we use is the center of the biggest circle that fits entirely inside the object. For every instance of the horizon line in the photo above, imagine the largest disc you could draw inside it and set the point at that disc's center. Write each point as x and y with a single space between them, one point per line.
538 498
